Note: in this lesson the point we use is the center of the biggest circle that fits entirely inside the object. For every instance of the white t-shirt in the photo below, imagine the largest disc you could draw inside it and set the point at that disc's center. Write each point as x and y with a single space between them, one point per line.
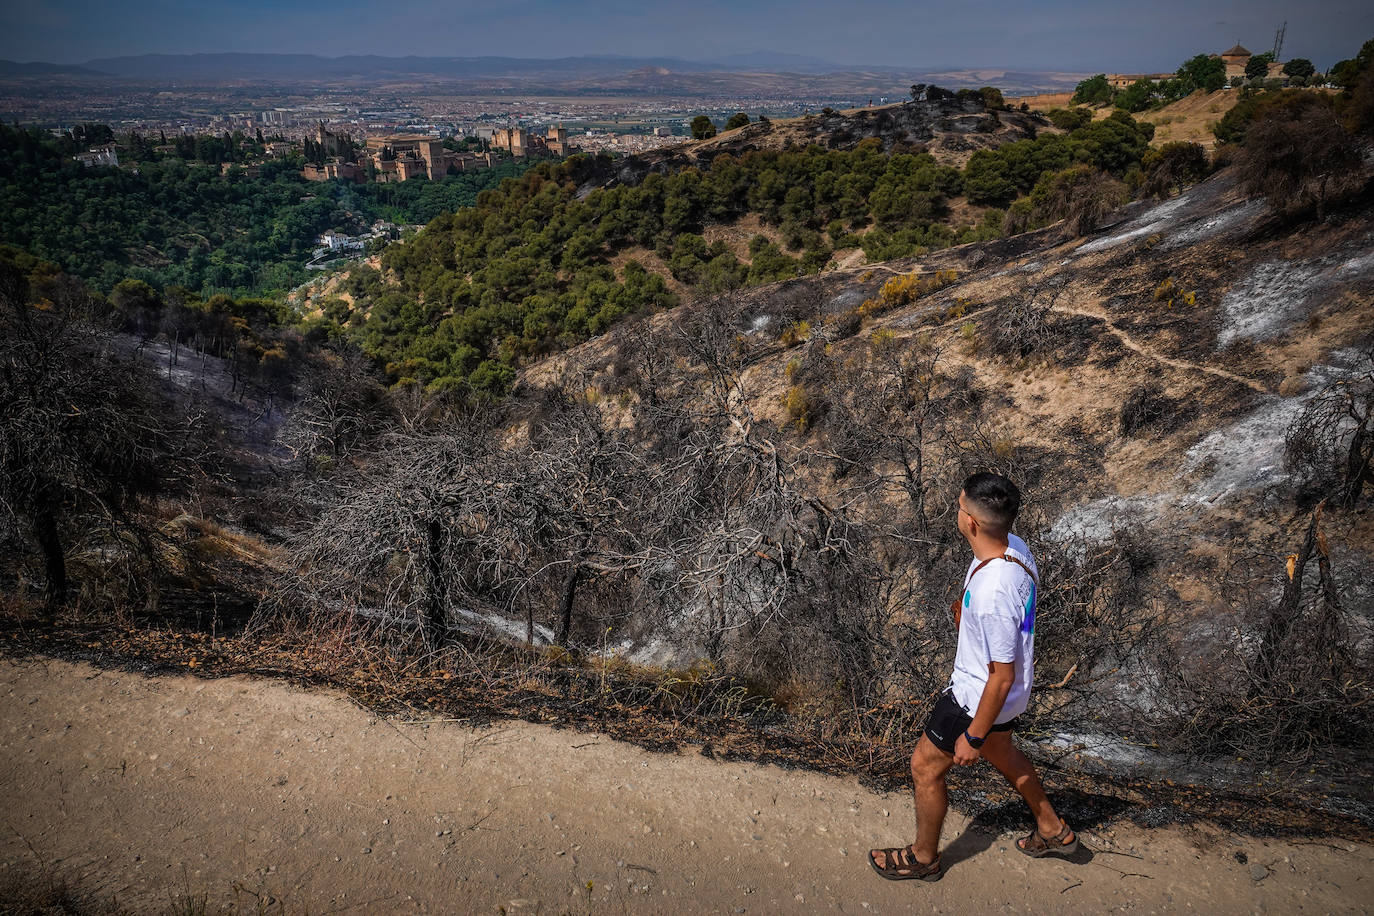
997 625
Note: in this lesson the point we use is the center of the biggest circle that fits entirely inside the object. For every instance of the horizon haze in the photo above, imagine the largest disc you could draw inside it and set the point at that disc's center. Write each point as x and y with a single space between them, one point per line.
1060 35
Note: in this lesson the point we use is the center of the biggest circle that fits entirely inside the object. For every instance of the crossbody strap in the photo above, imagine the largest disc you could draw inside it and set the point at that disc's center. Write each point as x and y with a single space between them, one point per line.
954 606
1030 572
1010 559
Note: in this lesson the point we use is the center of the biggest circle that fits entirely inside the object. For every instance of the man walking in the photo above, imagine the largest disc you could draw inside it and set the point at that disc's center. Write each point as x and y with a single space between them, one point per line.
990 687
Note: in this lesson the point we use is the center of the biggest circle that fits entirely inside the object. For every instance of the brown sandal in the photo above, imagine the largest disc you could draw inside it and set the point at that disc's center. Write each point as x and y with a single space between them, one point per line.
1035 845
902 865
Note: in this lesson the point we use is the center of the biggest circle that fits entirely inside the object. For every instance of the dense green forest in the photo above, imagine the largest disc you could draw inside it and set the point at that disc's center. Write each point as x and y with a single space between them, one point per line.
527 271
171 222
506 273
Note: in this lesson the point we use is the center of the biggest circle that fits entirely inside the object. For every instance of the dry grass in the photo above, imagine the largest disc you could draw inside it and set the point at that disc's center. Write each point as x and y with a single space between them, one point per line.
1045 101
736 235
651 262
1191 119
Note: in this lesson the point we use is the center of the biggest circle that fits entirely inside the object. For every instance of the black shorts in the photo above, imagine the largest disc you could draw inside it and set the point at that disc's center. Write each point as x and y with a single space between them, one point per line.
948 720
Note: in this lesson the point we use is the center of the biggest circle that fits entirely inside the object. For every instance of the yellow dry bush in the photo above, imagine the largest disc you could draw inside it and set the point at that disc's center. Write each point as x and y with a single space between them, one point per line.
795 334
901 290
907 288
797 402
969 332
880 340
955 312
793 366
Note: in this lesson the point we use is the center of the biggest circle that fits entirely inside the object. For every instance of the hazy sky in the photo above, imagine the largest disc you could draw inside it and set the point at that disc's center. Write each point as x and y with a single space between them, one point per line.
1043 35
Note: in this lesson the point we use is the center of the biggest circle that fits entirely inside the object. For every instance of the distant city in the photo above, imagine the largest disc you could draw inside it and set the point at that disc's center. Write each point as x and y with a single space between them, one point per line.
362 112
625 105
589 125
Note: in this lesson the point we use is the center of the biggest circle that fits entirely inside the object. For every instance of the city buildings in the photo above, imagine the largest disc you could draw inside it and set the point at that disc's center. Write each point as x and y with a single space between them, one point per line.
98 155
520 142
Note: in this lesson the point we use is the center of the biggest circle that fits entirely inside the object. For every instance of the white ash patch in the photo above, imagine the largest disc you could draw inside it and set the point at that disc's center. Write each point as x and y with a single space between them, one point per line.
1151 221
1279 293
1108 749
919 316
1246 455
1097 521
656 652
1031 267
1225 221
1357 267
503 627
850 298
760 324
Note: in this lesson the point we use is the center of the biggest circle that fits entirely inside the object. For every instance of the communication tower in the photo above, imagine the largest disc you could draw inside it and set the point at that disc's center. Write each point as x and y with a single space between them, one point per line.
1278 40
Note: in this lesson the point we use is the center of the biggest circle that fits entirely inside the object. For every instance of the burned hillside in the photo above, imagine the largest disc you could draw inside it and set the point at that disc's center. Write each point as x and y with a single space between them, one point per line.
763 483
734 501
949 129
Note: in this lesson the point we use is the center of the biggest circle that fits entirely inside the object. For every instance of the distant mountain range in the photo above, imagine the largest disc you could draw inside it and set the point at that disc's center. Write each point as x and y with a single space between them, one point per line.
760 72
311 66
38 68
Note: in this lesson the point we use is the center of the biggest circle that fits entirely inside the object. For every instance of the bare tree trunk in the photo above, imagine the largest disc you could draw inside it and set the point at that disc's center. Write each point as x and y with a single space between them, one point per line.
1333 636
1356 466
565 605
436 620
54 560
1284 614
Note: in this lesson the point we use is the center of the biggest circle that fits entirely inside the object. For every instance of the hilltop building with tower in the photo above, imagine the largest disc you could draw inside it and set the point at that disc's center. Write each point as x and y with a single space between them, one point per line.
1238 57
1235 60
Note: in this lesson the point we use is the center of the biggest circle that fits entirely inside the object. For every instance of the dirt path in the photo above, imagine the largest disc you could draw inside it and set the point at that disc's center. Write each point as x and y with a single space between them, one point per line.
156 791
1132 344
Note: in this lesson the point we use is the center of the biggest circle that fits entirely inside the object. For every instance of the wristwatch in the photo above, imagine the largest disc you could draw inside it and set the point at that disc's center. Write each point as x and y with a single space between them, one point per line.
973 742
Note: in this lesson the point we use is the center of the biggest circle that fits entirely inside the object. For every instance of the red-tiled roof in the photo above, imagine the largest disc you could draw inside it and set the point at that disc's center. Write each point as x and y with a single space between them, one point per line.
1237 51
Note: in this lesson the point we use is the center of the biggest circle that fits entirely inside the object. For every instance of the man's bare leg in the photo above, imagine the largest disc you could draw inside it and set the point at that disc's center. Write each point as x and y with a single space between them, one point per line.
929 765
999 751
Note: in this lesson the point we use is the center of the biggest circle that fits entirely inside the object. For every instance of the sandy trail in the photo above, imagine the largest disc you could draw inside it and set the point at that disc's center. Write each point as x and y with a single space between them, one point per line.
1148 353
147 789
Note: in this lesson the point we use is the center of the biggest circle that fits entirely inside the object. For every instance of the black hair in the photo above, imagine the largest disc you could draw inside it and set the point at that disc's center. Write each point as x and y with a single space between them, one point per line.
996 499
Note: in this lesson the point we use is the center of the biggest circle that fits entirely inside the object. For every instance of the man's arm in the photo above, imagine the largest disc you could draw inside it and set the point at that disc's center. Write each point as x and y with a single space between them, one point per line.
1001 675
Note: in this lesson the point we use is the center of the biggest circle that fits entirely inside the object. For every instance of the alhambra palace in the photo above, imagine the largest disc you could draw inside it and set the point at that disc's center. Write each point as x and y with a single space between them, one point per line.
401 157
